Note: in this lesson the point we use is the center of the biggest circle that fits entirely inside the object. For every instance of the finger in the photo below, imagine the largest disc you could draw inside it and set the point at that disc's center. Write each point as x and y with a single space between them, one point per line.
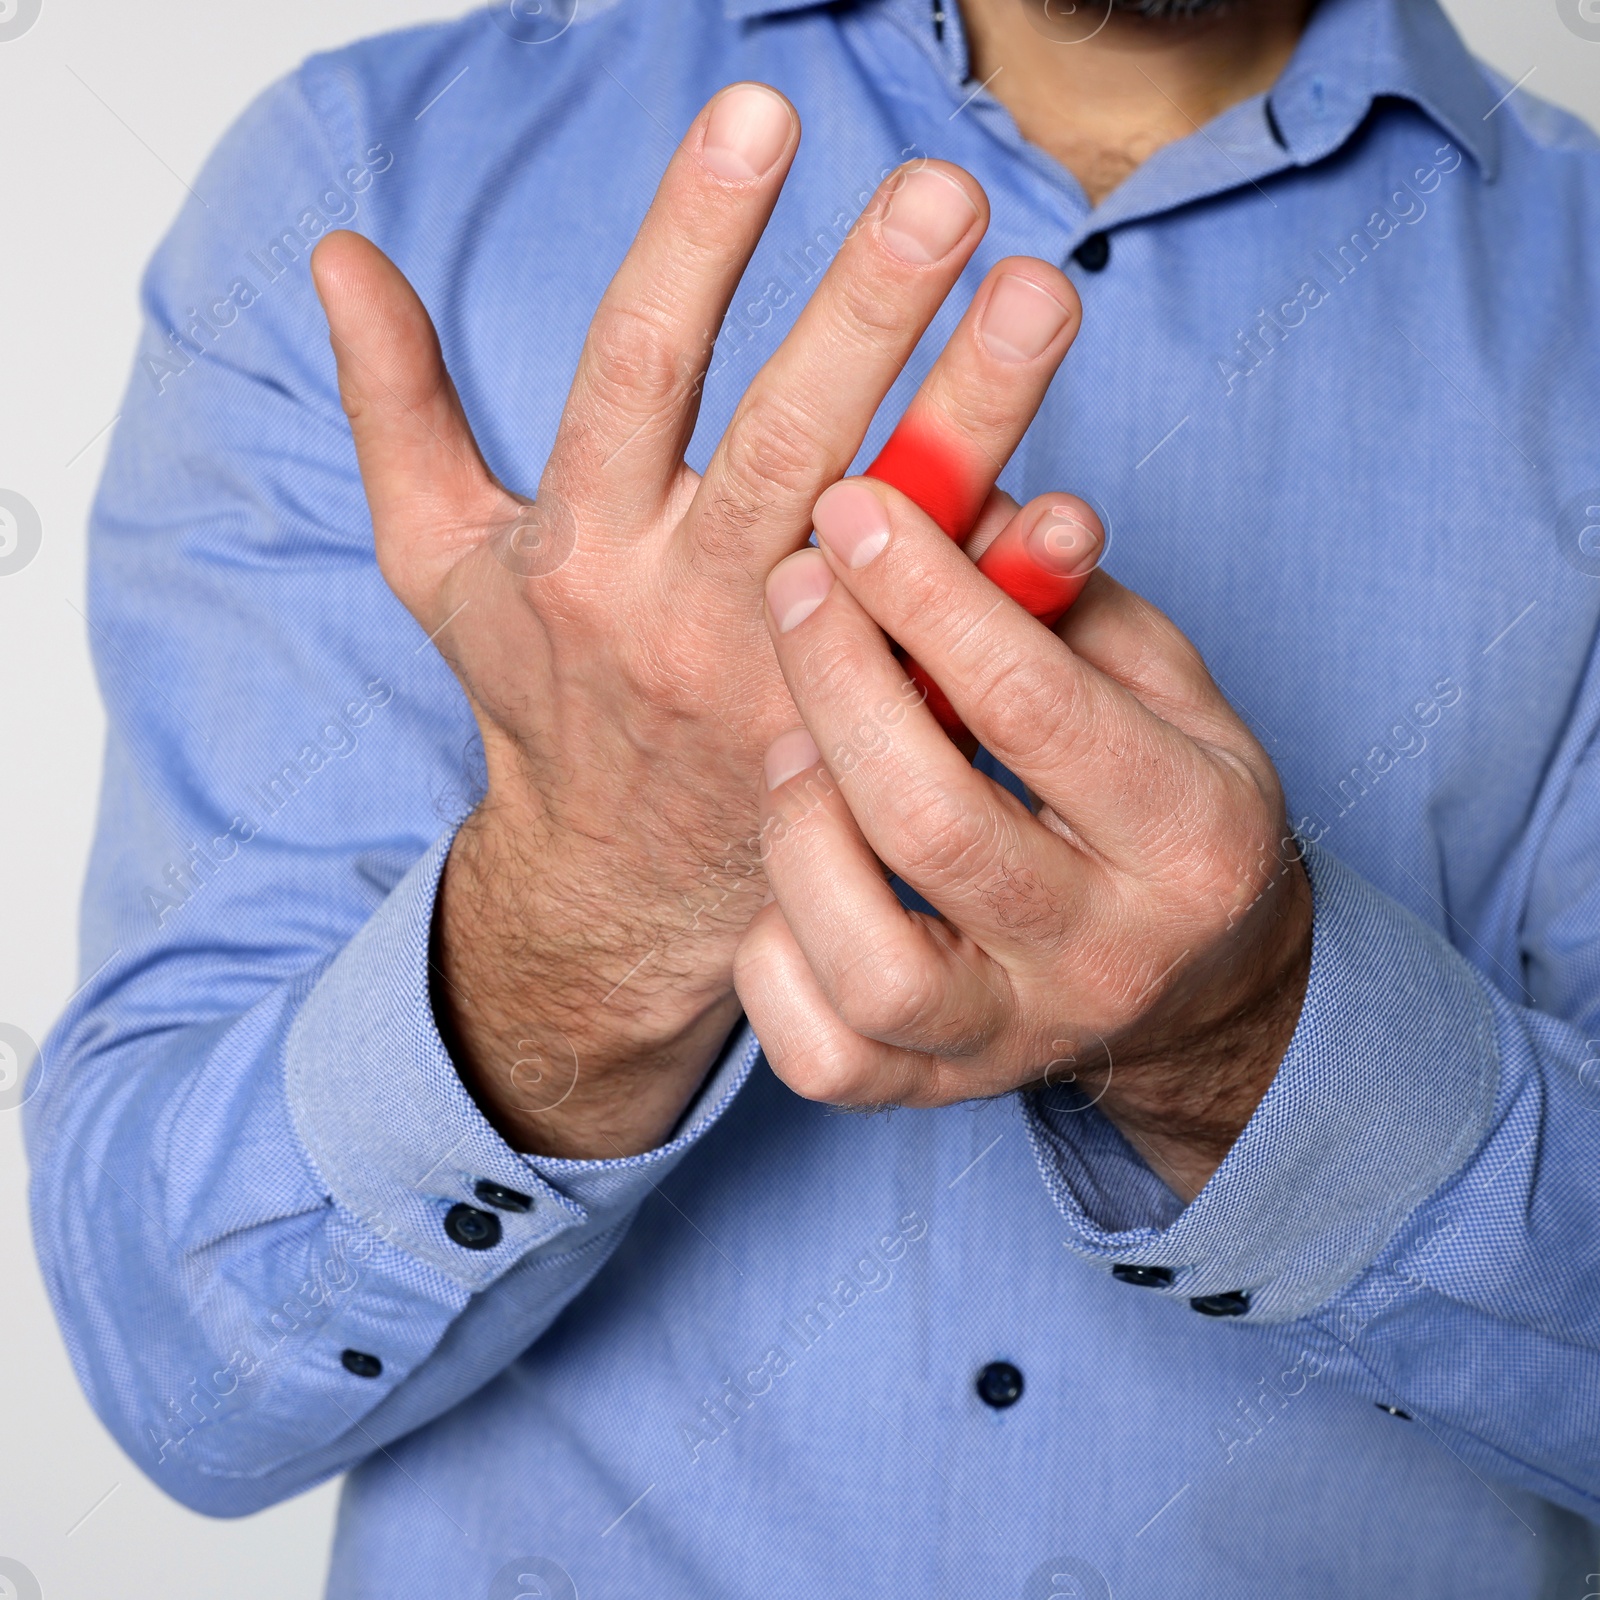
981 395
1042 559
1122 635
891 974
997 511
635 396
427 487
804 1040
966 845
1044 555
804 415
1080 741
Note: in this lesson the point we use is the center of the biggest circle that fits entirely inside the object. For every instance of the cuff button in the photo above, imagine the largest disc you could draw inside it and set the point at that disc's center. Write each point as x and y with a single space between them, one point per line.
1144 1277
502 1198
1232 1304
471 1228
360 1364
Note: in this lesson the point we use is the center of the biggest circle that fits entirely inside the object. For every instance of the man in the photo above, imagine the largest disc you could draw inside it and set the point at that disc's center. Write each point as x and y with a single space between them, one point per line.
491 918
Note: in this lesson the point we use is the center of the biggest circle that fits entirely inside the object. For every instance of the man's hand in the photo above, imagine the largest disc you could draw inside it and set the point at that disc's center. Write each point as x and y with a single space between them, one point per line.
1145 933
609 633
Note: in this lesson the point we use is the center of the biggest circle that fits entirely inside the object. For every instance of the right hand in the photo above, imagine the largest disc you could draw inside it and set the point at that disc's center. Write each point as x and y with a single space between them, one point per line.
610 633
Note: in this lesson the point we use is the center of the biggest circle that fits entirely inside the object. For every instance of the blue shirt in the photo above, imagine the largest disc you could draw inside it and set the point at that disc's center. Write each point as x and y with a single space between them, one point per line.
1336 397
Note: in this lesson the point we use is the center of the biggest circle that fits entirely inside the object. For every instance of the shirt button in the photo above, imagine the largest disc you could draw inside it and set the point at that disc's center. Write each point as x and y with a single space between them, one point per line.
1144 1277
1394 1411
500 1197
1000 1385
1232 1304
361 1364
471 1228
1094 254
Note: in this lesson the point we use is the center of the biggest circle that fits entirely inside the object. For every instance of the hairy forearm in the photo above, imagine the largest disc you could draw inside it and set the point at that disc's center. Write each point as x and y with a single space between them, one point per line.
577 1026
1184 1104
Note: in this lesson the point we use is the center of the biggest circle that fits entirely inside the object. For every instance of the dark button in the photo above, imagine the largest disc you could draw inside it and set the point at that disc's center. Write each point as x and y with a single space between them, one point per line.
471 1228
361 1364
1145 1277
1094 254
1394 1411
501 1198
1233 1304
1000 1385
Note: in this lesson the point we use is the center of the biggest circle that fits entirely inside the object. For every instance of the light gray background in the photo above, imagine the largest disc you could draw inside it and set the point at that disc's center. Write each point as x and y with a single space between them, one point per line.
105 111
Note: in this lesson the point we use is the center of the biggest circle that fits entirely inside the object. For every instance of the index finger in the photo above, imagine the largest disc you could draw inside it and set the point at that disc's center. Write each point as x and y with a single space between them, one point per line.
635 396
1088 747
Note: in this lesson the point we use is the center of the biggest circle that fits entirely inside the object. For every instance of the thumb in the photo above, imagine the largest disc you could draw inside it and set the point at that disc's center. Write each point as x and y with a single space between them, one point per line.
429 490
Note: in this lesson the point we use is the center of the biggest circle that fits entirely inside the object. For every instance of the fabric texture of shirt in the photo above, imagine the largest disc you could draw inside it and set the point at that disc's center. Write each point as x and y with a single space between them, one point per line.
1335 397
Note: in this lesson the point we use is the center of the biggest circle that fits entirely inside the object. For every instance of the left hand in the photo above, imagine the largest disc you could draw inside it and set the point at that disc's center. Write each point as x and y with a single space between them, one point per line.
1146 931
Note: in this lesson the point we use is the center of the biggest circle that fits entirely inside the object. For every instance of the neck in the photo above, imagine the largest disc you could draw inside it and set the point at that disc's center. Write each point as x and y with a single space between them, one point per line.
1102 93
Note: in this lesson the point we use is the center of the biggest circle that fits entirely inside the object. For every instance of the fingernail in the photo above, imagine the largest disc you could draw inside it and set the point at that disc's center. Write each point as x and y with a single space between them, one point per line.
1020 319
788 756
1066 541
926 216
798 585
745 133
850 520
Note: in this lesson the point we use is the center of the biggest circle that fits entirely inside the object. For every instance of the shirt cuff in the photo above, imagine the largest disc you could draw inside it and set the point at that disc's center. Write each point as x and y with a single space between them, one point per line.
399 1142
1387 1088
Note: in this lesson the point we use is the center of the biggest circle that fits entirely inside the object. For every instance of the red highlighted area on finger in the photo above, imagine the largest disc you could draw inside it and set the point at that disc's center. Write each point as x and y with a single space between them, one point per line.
1036 558
1044 557
943 474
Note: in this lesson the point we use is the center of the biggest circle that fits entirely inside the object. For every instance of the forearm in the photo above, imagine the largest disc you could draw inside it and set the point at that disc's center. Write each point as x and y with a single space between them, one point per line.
1184 1101
582 1026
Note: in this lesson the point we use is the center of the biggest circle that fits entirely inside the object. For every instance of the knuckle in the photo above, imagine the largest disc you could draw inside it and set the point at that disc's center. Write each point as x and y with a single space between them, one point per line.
833 668
770 448
978 410
1027 700
637 365
834 1069
865 311
769 466
1158 661
940 841
923 589
647 672
887 995
1245 873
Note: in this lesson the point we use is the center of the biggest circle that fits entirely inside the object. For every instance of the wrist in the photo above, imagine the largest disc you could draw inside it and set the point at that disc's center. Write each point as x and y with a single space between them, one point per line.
1184 1105
570 1041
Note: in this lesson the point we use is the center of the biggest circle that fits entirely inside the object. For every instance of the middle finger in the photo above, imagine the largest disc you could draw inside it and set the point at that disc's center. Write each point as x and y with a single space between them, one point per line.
802 419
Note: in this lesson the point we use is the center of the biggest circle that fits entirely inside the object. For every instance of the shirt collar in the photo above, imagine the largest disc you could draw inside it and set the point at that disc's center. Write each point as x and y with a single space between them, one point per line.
1353 53
744 10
